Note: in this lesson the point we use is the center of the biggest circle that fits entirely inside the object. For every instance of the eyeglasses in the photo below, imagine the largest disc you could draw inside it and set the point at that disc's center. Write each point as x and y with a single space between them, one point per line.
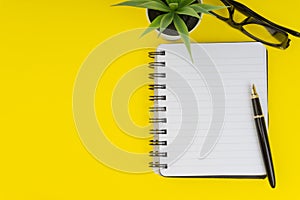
254 25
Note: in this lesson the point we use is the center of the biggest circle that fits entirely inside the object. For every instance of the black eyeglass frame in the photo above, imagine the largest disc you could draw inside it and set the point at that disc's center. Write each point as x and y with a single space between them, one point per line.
255 18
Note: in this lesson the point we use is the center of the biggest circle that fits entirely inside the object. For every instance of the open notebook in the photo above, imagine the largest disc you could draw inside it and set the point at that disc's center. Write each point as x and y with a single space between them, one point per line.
202 114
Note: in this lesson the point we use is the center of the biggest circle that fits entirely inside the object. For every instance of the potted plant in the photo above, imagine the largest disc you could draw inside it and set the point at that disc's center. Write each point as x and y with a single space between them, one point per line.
172 17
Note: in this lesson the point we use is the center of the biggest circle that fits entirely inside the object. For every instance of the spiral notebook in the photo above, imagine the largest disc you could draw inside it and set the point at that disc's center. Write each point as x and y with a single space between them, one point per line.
202 115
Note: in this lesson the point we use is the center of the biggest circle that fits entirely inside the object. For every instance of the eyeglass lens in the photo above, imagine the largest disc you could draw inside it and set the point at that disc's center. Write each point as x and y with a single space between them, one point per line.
256 29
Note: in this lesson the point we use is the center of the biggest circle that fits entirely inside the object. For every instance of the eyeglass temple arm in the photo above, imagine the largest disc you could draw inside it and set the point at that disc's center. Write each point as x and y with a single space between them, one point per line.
247 10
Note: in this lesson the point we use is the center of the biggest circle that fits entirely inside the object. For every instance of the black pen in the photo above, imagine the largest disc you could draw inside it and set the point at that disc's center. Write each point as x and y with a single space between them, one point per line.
263 136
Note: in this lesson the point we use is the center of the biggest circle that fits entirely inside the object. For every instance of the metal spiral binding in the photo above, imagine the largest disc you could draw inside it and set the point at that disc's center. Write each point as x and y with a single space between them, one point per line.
158 131
156 64
158 154
157 120
156 109
158 142
157 87
158 165
156 53
157 75
158 98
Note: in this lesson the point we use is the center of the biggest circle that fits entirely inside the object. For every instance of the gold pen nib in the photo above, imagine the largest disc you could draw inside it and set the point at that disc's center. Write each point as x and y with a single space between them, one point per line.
253 90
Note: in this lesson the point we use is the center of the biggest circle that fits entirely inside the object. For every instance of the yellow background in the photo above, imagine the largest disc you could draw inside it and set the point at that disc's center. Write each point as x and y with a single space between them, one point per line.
44 43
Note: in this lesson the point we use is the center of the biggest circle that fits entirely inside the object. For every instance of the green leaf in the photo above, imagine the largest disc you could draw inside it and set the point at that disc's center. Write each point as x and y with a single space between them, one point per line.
150 4
172 1
199 9
135 3
211 7
187 11
166 21
156 5
183 32
205 8
173 6
185 3
154 25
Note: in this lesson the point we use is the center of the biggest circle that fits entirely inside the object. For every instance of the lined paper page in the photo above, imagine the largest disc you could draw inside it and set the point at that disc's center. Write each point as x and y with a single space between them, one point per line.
210 126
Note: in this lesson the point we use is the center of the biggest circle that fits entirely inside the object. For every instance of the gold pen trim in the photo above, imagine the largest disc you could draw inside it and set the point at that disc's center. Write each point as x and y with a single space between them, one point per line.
258 116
